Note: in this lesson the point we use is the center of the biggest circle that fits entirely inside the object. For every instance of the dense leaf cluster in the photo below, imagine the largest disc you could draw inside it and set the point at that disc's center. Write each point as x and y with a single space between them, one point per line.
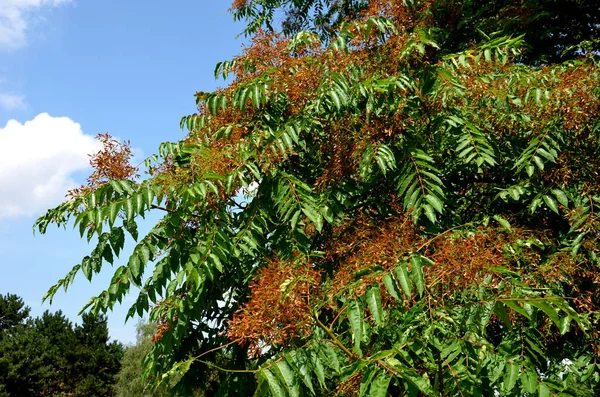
391 210
555 30
129 379
48 356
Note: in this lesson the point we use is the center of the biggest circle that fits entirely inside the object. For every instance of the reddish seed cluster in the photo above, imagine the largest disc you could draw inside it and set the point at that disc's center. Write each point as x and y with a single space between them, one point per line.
365 244
280 306
464 261
163 324
112 162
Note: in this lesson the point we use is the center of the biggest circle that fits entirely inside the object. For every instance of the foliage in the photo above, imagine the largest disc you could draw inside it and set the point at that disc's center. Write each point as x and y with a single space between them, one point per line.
96 361
49 356
129 380
371 214
322 16
26 366
555 30
13 312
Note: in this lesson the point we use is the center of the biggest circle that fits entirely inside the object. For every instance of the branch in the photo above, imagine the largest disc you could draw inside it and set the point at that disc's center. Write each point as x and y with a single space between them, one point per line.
157 207
334 339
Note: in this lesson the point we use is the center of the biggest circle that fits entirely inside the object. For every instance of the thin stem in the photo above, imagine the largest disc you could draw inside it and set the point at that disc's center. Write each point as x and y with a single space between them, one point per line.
251 371
334 338
216 348
157 207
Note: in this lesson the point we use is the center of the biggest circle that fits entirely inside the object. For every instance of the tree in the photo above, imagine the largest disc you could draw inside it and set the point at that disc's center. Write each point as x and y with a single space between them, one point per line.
26 365
96 360
25 362
13 312
129 380
49 356
418 217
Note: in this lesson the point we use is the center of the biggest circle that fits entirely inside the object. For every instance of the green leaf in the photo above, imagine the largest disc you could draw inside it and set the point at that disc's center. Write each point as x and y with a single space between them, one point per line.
351 370
368 374
117 240
134 266
510 376
317 367
256 95
335 97
107 254
273 383
391 286
500 311
551 203
530 169
379 386
417 273
515 306
543 390
178 370
561 197
328 356
503 222
217 262
538 161
373 296
402 274
144 253
129 209
116 186
355 316
430 213
547 308
565 325
113 211
365 162
435 203
243 97
287 378
415 379
314 216
131 227
139 203
86 267
300 363
529 379
126 185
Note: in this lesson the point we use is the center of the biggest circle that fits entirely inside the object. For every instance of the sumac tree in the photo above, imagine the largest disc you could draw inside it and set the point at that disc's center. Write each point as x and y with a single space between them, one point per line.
384 210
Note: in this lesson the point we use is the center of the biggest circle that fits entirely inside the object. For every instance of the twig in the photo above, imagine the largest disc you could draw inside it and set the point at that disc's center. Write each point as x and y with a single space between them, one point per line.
334 339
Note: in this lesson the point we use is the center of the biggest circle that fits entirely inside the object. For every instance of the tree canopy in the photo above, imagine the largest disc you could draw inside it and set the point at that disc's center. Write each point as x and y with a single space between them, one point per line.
555 30
129 380
405 204
13 312
48 355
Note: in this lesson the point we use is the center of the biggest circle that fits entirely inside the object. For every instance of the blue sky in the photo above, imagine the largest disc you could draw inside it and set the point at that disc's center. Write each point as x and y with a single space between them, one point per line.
70 69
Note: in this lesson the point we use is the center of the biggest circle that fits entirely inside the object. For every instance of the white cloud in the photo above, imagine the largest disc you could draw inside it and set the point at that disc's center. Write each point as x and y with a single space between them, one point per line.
37 160
11 101
16 17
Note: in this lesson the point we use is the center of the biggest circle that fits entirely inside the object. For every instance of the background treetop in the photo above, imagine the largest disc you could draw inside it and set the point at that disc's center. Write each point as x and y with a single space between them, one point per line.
48 355
12 311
